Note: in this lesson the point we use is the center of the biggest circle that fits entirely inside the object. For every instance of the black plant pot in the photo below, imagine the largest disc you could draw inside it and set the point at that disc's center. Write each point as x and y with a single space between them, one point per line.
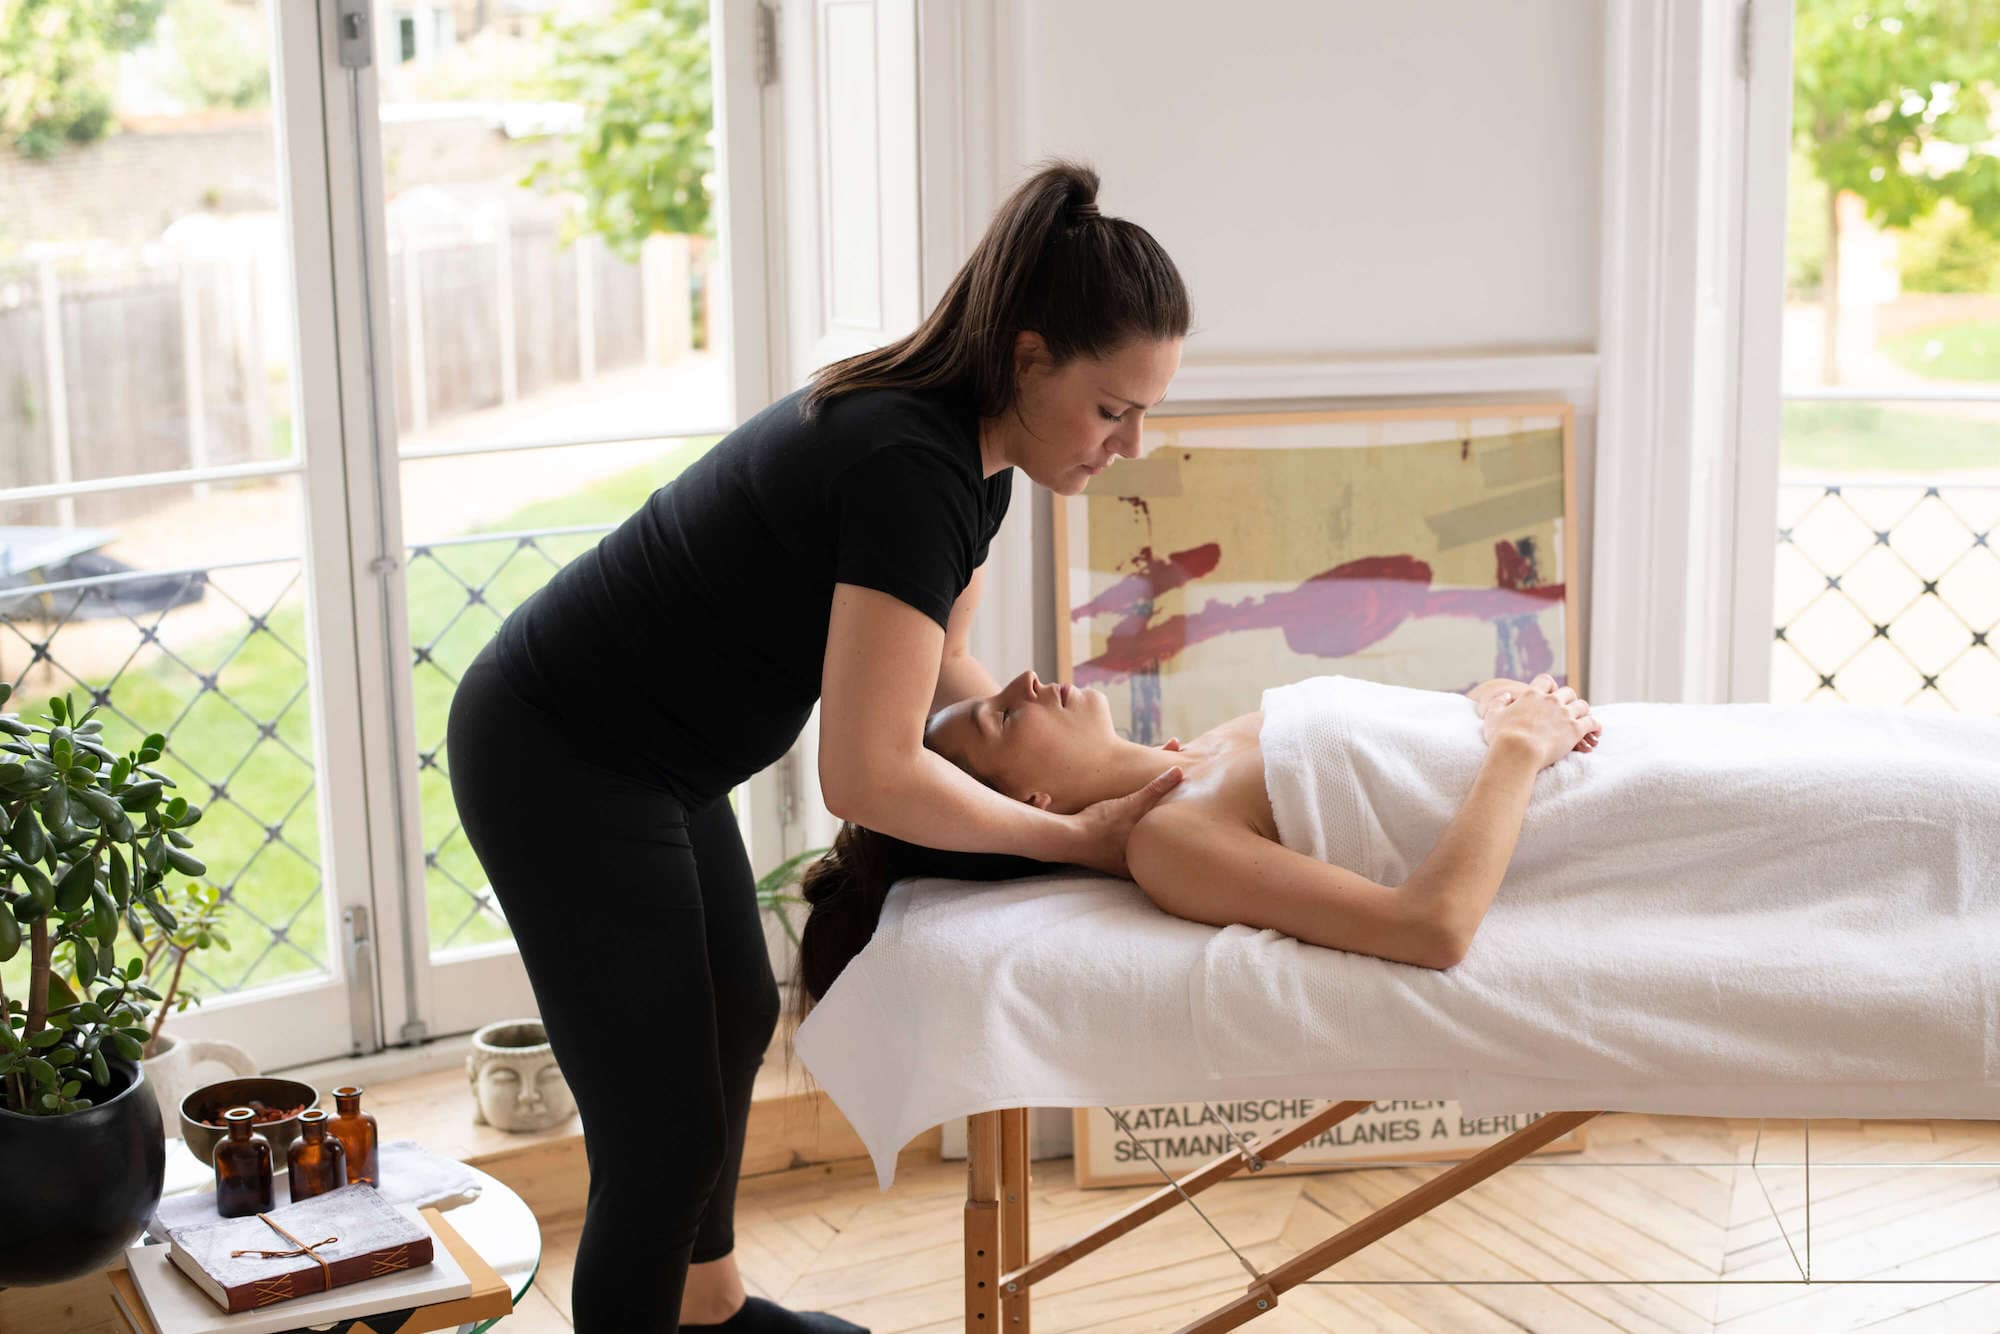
76 1190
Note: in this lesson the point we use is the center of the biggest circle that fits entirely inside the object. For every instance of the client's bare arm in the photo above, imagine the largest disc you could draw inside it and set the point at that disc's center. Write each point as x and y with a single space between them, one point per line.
1454 885
1210 868
1214 868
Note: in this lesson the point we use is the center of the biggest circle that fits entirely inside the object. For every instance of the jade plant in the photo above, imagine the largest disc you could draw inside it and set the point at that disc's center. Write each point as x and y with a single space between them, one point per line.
87 840
771 896
196 908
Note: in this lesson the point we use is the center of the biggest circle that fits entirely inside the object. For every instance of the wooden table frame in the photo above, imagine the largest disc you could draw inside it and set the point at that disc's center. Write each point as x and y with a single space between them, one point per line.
999 1274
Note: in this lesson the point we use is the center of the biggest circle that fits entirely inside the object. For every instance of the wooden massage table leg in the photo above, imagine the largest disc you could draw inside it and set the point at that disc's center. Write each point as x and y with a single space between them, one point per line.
1013 1217
998 1272
982 1222
1263 1295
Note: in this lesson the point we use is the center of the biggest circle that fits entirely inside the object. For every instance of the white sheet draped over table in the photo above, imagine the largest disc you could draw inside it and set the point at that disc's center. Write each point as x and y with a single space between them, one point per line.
1724 910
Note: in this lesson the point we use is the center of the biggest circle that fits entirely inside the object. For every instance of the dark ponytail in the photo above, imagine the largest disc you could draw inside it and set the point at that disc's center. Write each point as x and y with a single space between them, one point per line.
846 889
1049 262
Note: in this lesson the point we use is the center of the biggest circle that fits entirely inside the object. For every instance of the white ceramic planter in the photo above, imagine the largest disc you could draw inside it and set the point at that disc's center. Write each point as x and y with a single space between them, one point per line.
171 1073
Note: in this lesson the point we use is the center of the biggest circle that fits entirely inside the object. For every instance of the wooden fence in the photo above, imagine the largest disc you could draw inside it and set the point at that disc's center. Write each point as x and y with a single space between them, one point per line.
169 365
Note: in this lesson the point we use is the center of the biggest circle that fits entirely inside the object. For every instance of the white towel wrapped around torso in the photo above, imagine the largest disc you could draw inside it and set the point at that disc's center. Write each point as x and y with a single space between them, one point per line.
1752 892
1736 910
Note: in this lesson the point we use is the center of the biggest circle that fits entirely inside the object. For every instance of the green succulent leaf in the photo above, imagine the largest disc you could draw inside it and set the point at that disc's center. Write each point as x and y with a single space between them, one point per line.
73 890
104 914
139 796
60 996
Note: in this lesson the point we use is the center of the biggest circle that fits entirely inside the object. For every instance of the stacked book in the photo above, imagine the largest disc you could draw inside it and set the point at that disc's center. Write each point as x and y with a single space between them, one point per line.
346 1256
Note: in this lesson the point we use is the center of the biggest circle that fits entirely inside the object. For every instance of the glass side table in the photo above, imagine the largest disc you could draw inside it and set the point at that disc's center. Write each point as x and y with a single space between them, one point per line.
499 1224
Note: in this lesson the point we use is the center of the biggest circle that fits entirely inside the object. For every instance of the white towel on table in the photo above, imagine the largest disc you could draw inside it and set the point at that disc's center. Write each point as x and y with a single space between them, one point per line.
1769 893
1724 911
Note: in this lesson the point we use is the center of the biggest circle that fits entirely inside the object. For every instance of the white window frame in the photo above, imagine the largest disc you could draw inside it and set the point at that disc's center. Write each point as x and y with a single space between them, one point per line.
383 988
1697 117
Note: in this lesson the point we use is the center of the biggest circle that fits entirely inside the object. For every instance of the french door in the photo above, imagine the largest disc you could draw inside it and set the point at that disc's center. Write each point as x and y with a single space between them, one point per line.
308 373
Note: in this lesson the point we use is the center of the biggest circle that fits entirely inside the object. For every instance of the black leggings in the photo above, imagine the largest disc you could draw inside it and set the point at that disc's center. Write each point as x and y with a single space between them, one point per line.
637 921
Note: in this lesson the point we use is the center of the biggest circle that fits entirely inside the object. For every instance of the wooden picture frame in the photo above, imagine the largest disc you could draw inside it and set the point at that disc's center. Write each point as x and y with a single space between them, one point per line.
1428 547
1390 529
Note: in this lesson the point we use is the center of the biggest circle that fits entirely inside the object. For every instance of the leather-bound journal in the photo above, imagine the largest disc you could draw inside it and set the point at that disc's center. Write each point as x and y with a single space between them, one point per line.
344 1236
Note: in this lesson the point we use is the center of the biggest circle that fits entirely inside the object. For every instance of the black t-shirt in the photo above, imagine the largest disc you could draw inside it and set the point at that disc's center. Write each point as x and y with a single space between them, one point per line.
691 638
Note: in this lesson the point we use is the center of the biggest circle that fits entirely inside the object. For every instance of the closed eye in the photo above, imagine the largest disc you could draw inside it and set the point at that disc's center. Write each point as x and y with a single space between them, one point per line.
1111 416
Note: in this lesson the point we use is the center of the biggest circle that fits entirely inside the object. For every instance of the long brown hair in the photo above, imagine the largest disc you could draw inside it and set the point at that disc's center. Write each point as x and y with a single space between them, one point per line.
1049 262
847 887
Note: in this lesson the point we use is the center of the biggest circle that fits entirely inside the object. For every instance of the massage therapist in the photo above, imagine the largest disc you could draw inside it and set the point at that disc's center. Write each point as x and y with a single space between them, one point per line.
829 548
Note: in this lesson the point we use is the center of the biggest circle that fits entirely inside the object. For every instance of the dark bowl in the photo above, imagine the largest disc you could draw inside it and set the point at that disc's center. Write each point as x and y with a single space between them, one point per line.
212 1100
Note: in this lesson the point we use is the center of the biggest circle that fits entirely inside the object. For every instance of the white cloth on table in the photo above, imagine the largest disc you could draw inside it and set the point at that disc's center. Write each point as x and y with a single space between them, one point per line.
1724 910
411 1174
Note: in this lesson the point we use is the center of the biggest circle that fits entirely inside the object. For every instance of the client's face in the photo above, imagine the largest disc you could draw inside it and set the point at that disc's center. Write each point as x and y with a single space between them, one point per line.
1034 741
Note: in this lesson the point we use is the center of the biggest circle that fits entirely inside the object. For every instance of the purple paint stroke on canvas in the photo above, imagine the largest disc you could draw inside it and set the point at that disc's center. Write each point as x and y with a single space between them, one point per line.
1333 614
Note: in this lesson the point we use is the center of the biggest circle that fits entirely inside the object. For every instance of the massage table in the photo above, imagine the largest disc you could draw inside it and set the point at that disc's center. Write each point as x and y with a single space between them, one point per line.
1724 910
1073 990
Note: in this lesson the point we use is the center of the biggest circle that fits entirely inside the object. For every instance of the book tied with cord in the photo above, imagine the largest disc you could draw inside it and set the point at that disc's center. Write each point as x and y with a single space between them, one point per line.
480 1294
344 1236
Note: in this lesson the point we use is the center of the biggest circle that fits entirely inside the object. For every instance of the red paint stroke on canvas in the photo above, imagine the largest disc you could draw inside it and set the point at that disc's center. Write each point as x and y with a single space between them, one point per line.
1155 577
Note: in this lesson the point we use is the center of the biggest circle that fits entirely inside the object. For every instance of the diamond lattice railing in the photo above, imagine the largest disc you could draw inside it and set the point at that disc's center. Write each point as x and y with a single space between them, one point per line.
214 659
459 592
1888 593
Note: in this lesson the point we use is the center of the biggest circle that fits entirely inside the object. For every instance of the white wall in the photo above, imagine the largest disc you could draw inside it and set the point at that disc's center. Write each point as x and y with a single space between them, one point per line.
1339 176
1368 200
1371 203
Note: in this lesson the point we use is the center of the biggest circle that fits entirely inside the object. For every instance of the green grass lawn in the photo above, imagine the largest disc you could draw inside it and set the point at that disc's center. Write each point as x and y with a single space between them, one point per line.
1871 437
209 736
1968 351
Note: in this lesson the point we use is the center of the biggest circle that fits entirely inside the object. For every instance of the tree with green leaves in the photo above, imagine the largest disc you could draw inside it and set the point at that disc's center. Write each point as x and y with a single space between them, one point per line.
641 162
59 67
1894 101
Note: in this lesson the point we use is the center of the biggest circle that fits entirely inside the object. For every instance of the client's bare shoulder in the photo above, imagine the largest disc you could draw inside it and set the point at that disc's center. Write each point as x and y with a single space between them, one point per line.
1224 787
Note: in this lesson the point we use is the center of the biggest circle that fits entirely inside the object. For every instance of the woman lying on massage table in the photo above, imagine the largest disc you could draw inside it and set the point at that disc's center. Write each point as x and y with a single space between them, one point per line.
1210 851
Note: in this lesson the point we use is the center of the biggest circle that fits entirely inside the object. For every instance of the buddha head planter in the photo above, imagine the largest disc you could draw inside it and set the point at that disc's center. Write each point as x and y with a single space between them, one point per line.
515 1083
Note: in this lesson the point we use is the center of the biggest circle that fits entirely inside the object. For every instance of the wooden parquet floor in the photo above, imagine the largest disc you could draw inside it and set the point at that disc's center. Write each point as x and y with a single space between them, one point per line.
1672 1201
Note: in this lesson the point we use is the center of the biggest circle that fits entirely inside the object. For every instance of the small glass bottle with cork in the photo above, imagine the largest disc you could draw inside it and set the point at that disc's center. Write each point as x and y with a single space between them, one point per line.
318 1162
242 1167
355 1129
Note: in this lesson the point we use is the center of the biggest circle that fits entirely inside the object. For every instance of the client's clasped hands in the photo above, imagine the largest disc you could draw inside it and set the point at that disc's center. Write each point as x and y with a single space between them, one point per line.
1554 718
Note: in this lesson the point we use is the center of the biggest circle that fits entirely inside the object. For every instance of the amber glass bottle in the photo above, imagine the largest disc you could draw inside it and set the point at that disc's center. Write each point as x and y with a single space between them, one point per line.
242 1167
318 1162
355 1130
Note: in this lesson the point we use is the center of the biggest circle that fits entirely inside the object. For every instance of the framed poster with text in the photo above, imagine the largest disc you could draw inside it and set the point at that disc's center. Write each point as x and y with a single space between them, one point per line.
1182 1136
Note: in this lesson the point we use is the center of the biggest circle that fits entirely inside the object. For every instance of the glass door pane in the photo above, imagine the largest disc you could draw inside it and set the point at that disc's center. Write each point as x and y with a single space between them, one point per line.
1888 560
548 179
154 473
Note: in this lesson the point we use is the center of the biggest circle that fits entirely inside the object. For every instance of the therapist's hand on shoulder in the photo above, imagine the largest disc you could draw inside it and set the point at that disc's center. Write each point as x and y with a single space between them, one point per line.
1103 829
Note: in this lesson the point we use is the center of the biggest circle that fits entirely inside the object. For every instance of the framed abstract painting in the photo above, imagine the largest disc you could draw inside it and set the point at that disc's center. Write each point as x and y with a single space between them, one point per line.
1427 547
